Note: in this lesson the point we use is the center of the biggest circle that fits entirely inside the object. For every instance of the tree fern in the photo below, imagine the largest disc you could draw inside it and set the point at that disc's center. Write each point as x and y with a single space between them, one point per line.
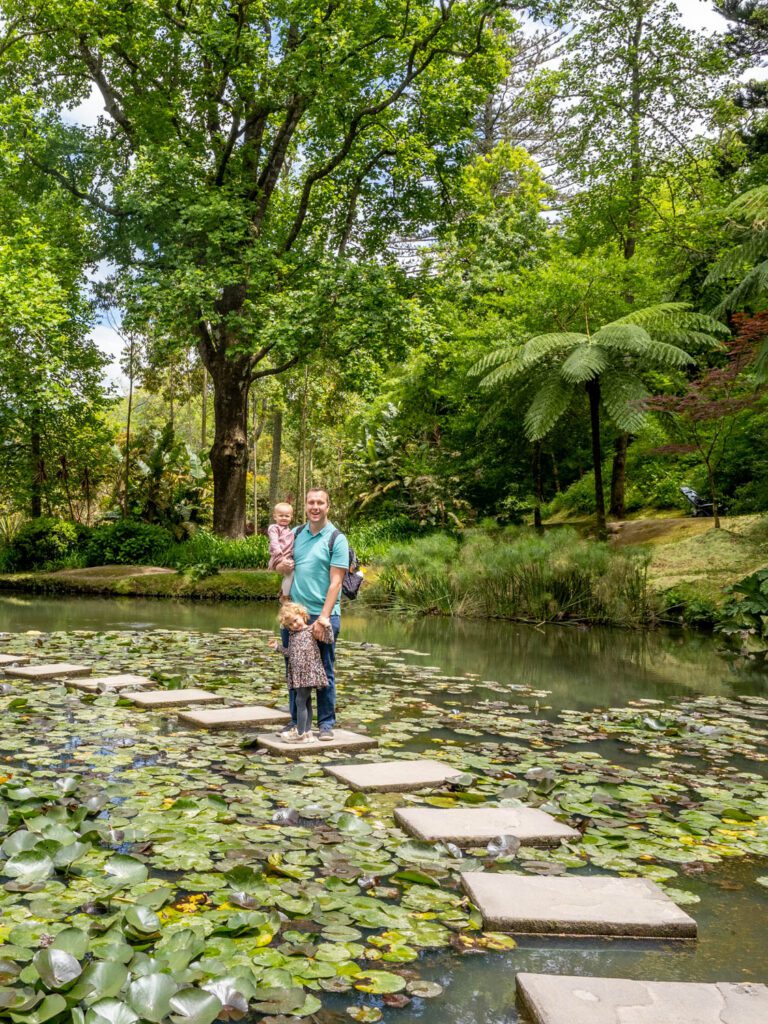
551 401
584 363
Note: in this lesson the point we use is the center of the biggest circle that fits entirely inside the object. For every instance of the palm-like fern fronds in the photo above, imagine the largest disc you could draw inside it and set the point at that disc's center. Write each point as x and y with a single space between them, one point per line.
585 363
550 402
496 357
623 394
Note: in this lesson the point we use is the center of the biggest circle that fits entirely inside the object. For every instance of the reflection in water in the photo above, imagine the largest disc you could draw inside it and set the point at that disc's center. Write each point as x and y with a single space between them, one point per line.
583 668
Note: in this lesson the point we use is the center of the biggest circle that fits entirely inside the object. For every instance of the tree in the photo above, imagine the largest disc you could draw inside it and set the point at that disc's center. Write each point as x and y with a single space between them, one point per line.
245 152
704 416
608 365
637 83
52 434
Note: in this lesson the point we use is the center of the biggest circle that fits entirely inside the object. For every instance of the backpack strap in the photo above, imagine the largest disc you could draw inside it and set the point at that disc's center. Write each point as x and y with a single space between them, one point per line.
332 541
298 530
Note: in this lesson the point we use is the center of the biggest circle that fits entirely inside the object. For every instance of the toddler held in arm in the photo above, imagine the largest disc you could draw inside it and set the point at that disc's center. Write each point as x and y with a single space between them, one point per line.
281 543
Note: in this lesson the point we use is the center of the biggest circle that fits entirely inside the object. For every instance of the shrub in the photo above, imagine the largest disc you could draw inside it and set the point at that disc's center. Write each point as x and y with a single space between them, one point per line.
371 539
519 574
127 542
205 548
40 543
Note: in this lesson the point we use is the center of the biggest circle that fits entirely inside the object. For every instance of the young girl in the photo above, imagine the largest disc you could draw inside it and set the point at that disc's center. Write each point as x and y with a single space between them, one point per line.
281 543
305 668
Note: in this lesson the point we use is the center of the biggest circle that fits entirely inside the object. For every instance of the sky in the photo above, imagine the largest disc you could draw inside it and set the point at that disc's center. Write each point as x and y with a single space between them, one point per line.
696 14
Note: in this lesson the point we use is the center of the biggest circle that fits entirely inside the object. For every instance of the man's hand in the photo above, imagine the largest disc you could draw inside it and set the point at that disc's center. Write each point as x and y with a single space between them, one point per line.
319 626
285 566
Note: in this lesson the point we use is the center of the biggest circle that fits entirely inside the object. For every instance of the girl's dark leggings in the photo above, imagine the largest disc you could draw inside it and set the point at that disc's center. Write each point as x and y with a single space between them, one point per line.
303 709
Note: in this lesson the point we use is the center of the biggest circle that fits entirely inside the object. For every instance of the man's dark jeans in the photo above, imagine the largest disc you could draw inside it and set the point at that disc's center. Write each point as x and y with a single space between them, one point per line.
326 698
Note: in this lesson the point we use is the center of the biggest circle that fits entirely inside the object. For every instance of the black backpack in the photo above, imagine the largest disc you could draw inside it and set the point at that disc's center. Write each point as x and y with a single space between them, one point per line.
353 580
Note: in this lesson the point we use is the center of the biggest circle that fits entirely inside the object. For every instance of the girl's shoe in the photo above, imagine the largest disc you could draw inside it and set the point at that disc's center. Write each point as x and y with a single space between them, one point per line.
305 737
289 735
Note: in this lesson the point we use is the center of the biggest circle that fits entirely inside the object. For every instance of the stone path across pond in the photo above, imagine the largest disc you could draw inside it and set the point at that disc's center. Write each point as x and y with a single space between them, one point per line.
170 698
562 999
475 826
343 739
576 905
97 684
393 776
234 718
12 659
57 670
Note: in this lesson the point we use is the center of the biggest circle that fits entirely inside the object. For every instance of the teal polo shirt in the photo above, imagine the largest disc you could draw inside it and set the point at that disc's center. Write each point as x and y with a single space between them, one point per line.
313 561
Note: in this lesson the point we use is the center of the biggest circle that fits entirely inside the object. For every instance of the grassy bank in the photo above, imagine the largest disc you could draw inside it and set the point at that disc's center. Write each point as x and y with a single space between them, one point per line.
148 581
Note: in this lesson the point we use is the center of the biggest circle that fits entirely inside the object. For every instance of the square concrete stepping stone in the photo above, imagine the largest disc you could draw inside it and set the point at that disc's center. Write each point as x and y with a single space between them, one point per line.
570 905
125 681
170 698
475 826
562 999
343 739
234 718
393 776
58 670
12 659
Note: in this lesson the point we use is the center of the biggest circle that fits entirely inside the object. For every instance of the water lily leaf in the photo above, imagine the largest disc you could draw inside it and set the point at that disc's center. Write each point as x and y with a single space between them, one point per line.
29 866
379 982
56 967
193 1006
51 1006
126 870
142 921
419 877
99 980
150 996
279 1000
364 1014
234 1004
424 989
110 1011
347 822
19 841
73 941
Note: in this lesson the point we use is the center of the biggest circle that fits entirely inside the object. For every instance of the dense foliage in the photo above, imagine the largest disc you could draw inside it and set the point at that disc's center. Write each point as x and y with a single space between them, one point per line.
504 264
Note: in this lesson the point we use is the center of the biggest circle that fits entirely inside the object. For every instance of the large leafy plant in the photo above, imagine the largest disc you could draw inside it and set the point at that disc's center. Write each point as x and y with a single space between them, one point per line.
550 372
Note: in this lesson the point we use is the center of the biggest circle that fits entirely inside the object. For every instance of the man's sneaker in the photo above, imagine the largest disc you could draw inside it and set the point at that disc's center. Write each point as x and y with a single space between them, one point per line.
289 735
325 735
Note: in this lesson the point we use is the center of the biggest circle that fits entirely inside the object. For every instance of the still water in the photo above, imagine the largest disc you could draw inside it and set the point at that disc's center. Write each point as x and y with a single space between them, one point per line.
582 669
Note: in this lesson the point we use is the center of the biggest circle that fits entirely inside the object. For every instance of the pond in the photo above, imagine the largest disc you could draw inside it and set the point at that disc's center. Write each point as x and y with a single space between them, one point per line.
650 727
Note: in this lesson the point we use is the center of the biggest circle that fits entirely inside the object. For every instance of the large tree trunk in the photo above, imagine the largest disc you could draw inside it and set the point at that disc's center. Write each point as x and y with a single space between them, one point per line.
618 476
277 450
593 390
231 380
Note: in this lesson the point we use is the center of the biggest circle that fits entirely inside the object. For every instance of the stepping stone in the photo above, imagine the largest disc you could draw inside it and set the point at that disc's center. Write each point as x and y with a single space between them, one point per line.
96 684
234 718
58 670
561 999
343 739
585 905
12 659
393 776
170 698
475 826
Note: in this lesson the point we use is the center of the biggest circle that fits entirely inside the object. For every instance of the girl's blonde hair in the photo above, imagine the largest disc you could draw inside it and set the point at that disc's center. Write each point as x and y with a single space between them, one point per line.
290 611
283 504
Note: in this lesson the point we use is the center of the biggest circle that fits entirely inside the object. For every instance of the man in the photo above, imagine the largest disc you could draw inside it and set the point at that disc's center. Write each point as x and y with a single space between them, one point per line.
317 579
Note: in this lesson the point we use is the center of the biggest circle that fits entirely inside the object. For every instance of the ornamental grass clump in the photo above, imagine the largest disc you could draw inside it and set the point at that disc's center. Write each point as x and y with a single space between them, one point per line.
515 573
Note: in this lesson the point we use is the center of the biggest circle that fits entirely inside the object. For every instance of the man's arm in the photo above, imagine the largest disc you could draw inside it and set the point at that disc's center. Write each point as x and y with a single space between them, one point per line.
324 618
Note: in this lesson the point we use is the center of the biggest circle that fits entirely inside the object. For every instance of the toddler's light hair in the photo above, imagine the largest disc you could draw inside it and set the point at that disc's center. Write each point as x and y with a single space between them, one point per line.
282 505
290 611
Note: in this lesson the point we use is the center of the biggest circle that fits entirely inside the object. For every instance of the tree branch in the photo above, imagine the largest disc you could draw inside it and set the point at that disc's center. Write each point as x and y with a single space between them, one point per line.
276 369
113 100
95 201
